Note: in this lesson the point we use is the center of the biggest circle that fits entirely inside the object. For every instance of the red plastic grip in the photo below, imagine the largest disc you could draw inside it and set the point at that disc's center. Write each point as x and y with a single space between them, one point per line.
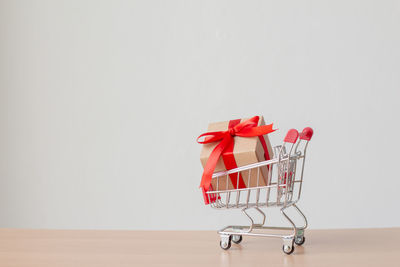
306 134
291 136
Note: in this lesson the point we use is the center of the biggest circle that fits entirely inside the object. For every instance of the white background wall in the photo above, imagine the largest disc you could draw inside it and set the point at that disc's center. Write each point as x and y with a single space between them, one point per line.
101 103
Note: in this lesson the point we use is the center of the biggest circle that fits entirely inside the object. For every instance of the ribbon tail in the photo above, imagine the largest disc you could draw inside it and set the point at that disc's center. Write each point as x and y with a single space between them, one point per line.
212 162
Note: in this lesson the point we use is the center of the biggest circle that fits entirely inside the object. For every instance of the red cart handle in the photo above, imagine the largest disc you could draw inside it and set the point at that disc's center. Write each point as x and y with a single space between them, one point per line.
306 134
291 136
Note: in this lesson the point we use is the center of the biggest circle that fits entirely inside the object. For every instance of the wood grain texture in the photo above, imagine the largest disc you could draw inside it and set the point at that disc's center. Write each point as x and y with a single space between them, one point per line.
360 247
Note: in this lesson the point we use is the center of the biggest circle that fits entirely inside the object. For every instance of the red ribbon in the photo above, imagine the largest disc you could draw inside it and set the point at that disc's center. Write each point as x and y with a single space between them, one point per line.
230 162
246 128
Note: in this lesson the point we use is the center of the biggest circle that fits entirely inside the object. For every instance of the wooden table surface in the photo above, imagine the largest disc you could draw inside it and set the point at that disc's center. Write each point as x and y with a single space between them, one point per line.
366 247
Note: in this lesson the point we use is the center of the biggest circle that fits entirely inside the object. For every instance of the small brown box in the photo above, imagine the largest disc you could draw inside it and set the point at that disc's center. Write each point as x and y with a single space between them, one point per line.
246 150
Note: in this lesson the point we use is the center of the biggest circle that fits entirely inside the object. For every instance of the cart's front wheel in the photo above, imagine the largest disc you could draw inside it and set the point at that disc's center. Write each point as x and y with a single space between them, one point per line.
300 240
225 244
288 249
237 239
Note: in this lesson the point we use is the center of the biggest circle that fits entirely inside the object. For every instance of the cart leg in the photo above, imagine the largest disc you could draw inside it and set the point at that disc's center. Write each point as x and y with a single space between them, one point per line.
290 221
299 238
288 241
252 224
302 215
263 214
251 220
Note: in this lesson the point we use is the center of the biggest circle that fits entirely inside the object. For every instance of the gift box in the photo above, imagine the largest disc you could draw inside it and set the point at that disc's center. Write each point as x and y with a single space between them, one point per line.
234 144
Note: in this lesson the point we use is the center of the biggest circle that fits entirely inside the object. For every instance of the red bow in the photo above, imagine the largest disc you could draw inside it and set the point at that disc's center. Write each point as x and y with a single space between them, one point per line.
246 128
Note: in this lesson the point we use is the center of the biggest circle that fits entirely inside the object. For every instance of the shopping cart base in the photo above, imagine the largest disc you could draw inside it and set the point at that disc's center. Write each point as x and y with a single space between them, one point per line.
227 237
235 233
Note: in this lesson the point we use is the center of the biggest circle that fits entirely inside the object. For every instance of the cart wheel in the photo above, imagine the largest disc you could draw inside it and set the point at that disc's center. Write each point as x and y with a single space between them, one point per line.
225 244
299 240
237 239
288 249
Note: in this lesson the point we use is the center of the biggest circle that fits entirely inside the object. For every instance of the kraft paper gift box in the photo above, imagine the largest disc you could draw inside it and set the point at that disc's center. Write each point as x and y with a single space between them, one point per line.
246 150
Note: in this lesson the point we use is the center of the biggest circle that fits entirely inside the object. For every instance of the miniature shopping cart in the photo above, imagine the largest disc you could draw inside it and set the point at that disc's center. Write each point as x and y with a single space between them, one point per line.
282 191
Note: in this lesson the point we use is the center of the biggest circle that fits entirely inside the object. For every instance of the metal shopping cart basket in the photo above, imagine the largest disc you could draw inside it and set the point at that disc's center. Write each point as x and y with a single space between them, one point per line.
283 190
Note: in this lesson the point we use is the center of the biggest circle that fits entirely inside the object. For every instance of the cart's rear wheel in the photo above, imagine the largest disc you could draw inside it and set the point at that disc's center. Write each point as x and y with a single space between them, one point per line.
225 244
237 239
288 249
300 240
